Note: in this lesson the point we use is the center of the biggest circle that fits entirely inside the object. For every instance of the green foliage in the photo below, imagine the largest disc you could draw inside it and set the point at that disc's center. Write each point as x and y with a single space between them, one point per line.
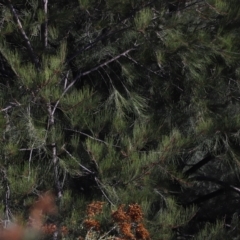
122 102
143 19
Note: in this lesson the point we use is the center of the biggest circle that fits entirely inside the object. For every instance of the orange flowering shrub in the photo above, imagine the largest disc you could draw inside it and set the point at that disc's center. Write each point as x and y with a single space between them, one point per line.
127 220
94 208
135 213
125 228
92 224
120 215
142 232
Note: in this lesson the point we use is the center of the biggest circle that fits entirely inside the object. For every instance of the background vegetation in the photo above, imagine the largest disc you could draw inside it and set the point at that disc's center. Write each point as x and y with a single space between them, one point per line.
127 112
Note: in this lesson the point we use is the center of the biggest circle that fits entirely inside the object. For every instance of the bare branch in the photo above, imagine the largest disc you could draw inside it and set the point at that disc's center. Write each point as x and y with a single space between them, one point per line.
45 2
107 62
96 139
33 57
5 109
51 123
86 169
92 44
207 197
66 80
65 91
10 105
198 165
100 185
142 66
219 182
88 72
29 164
106 234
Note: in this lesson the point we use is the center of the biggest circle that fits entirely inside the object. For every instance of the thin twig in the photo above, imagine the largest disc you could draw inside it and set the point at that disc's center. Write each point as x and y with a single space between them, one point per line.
27 149
142 66
104 142
11 105
89 136
101 188
29 164
86 169
104 235
5 109
66 80
158 192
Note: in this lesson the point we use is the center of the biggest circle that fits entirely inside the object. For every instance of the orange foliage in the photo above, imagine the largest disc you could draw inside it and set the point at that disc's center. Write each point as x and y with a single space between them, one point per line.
120 215
125 228
142 232
92 224
94 208
135 213
126 221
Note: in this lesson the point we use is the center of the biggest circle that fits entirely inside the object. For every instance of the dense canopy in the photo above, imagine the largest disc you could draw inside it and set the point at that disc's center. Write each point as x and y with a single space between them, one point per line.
119 119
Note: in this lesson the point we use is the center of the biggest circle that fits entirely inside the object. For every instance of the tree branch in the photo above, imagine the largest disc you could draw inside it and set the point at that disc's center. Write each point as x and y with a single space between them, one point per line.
198 165
51 123
33 57
45 34
107 62
94 138
110 33
219 182
86 169
206 197
142 66
92 44
88 72
65 91
100 185
6 198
